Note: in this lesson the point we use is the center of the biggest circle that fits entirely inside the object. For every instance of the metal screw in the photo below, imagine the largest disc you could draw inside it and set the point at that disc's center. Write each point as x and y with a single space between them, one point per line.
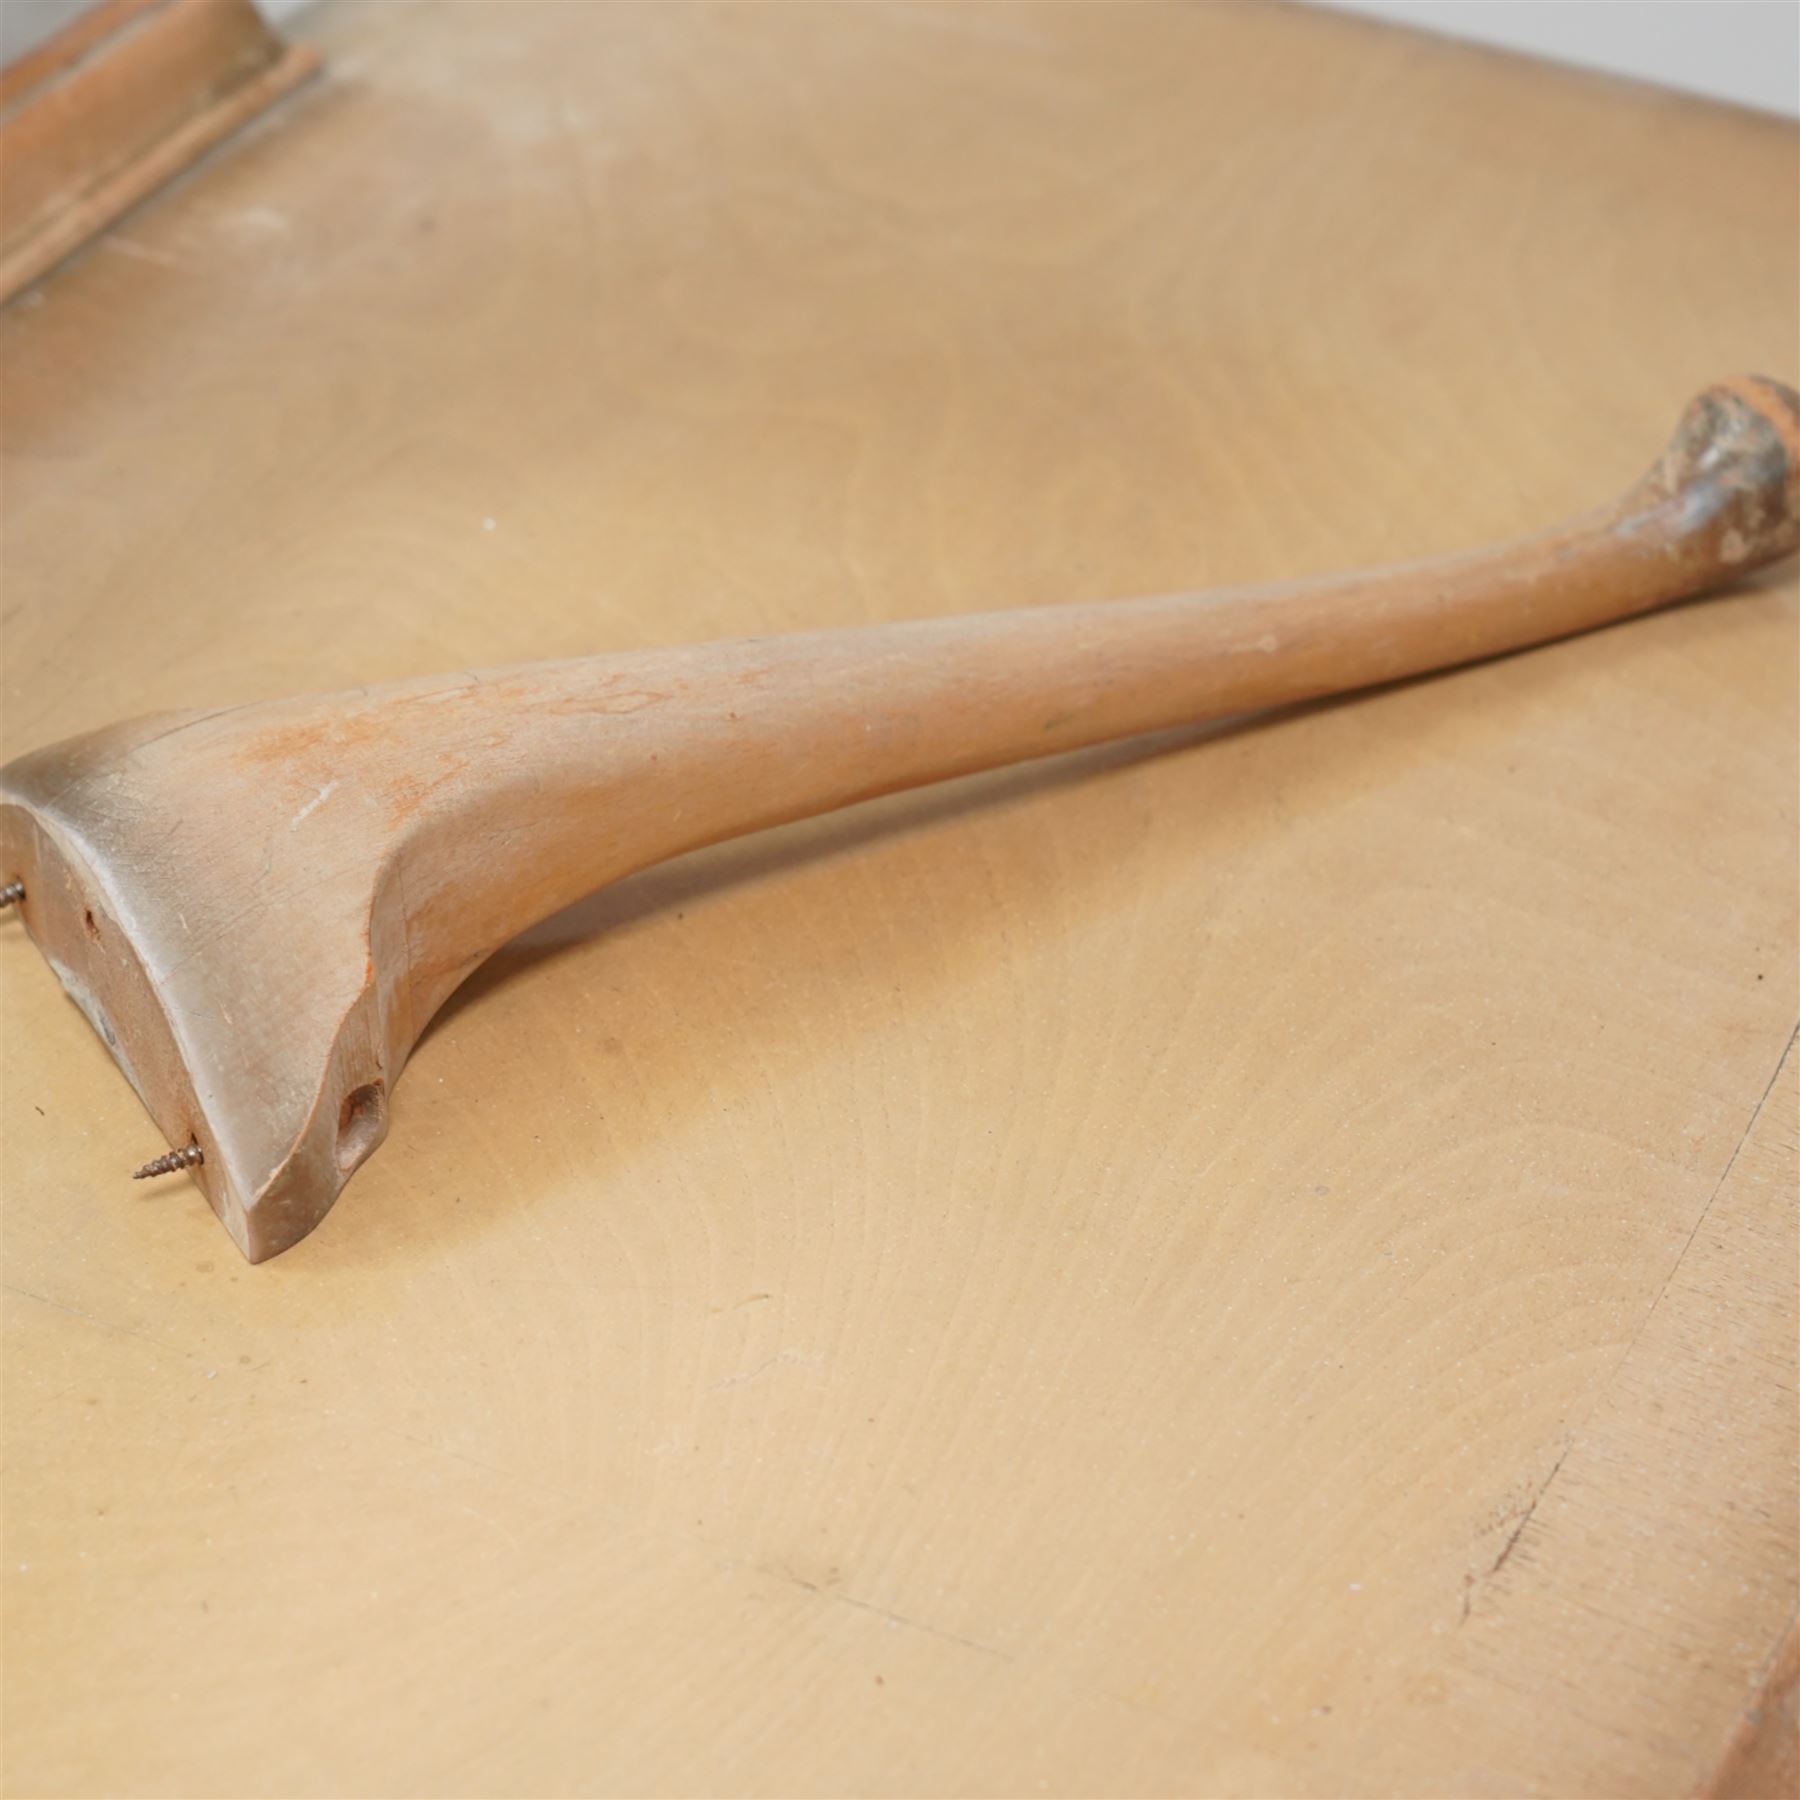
12 893
167 1165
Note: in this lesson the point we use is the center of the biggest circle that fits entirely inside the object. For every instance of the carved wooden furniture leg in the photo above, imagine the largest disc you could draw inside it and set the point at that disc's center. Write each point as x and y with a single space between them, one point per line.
260 908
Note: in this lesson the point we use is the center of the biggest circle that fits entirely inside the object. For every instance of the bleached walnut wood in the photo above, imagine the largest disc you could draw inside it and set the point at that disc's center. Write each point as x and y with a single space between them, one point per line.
261 908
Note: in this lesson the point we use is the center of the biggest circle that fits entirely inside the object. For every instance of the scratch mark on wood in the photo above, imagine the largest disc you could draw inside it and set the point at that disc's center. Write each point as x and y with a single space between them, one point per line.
94 1319
781 1359
313 805
1756 1112
882 1612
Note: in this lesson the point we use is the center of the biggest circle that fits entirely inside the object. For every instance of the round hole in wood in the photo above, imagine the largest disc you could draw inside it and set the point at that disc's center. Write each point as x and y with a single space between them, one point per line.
361 1121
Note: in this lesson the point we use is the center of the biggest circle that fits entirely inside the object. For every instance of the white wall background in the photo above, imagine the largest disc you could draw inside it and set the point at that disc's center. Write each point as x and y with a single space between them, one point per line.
1743 51
1746 51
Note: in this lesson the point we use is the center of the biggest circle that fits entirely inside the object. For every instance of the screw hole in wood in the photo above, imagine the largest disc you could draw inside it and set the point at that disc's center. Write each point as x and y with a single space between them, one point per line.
361 1122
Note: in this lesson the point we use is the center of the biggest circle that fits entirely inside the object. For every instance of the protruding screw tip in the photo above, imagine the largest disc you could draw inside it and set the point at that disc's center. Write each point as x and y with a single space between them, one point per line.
167 1165
12 893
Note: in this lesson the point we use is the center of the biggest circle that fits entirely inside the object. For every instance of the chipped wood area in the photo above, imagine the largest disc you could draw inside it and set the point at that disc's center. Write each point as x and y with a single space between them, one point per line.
1256 1264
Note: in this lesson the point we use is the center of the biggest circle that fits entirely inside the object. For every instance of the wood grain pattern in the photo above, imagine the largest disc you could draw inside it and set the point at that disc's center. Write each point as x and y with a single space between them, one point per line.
1072 1283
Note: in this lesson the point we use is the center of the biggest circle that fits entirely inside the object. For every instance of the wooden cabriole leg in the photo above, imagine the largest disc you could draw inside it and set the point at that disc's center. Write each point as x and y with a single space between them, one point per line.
261 908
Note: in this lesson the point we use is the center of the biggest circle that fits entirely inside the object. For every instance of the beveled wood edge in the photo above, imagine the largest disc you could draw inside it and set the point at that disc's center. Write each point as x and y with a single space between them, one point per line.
1761 1760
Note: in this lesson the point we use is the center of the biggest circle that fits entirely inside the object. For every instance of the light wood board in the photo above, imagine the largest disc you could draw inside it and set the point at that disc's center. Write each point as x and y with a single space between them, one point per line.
1260 1264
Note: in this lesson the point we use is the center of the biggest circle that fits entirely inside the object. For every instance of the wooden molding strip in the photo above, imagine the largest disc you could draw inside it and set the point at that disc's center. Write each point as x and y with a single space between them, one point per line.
63 49
120 101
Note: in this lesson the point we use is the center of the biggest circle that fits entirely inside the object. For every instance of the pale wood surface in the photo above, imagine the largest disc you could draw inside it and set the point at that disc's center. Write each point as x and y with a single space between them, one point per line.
1266 1267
